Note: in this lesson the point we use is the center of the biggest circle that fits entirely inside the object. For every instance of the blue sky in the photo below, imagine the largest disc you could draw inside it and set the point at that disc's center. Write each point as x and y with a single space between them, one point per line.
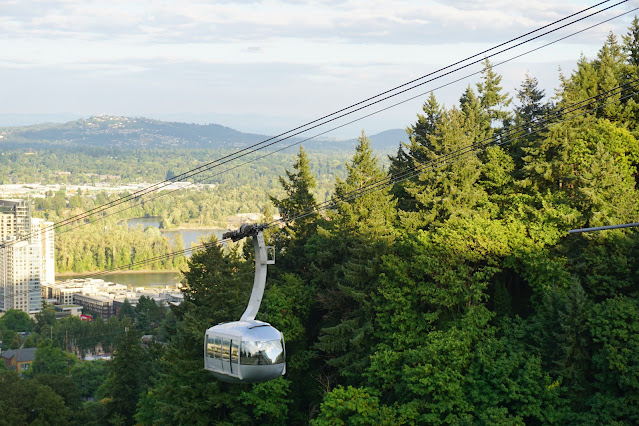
263 66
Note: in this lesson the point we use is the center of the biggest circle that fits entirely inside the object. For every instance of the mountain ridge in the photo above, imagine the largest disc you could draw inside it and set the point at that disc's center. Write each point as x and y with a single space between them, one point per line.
141 133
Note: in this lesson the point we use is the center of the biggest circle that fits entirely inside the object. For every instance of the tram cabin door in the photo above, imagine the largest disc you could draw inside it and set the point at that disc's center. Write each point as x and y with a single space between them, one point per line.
223 354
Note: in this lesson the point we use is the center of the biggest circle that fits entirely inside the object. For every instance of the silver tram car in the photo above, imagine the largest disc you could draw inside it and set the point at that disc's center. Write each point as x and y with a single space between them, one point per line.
248 350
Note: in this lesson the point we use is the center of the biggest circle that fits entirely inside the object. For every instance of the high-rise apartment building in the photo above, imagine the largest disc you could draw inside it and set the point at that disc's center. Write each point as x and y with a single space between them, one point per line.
43 234
26 256
15 218
20 276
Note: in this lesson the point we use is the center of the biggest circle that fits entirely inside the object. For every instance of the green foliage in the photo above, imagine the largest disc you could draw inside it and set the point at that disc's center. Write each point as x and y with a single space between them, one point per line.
354 406
123 389
46 317
88 376
16 320
29 402
346 258
63 386
298 187
52 360
269 401
126 310
148 315
615 332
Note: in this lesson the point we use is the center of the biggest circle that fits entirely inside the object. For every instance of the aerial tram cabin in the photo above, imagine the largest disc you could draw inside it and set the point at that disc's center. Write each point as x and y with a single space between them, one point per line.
248 350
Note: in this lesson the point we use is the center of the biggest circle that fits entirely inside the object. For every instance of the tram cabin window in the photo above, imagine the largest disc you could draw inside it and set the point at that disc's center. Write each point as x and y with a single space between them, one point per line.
226 343
234 351
210 344
217 348
262 353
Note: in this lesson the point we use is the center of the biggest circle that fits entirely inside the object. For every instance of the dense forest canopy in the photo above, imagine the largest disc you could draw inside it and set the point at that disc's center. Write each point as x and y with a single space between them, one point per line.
455 296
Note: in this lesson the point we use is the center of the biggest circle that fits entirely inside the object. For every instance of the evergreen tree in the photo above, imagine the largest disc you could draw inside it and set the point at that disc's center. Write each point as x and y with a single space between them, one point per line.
298 186
493 101
592 164
417 151
531 110
359 234
631 43
122 387
615 332
298 204
126 310
420 132
447 190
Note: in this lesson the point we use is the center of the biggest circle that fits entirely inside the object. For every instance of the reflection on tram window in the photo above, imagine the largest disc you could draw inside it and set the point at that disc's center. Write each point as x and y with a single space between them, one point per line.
217 348
225 348
262 353
209 347
234 351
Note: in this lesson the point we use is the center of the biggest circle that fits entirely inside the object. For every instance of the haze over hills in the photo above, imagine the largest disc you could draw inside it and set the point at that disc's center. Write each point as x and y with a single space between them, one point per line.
135 132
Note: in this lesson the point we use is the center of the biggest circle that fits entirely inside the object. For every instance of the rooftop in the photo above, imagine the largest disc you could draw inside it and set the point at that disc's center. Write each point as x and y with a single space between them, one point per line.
22 355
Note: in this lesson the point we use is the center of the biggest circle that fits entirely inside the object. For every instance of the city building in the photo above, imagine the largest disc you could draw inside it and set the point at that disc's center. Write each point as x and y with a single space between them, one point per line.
20 276
15 218
103 298
26 257
99 305
43 234
67 311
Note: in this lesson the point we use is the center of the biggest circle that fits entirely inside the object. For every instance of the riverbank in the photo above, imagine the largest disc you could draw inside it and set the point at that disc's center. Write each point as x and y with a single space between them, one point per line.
65 275
139 278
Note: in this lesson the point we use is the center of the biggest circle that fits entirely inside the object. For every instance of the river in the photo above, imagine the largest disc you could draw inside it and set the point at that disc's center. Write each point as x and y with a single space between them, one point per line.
190 235
143 279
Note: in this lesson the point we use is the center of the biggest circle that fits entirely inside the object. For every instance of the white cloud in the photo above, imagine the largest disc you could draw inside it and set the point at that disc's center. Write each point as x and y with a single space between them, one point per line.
330 51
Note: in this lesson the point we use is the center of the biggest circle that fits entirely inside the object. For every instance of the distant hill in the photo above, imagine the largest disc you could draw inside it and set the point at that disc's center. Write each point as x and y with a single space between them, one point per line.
135 133
385 141
126 132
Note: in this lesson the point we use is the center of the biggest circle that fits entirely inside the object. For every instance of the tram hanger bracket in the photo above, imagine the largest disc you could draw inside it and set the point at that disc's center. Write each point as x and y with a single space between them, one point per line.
246 230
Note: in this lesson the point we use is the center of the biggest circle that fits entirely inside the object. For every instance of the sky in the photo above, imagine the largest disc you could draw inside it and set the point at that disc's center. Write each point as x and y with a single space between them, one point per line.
269 66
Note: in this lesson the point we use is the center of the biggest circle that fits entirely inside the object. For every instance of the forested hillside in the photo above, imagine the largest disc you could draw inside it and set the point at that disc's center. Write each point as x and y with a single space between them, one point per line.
128 132
454 297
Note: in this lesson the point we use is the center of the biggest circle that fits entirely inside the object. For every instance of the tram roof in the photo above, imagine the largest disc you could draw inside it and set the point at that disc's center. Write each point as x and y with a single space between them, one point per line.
246 330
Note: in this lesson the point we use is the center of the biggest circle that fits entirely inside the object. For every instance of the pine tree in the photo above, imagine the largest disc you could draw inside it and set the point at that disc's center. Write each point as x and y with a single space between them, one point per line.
493 101
362 230
412 154
298 186
124 382
475 116
425 127
447 190
126 310
631 43
573 342
630 48
531 110
372 213
297 209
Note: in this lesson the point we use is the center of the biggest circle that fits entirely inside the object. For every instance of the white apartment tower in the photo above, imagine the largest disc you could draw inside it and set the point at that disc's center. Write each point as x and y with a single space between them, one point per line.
20 276
24 264
43 235
15 218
